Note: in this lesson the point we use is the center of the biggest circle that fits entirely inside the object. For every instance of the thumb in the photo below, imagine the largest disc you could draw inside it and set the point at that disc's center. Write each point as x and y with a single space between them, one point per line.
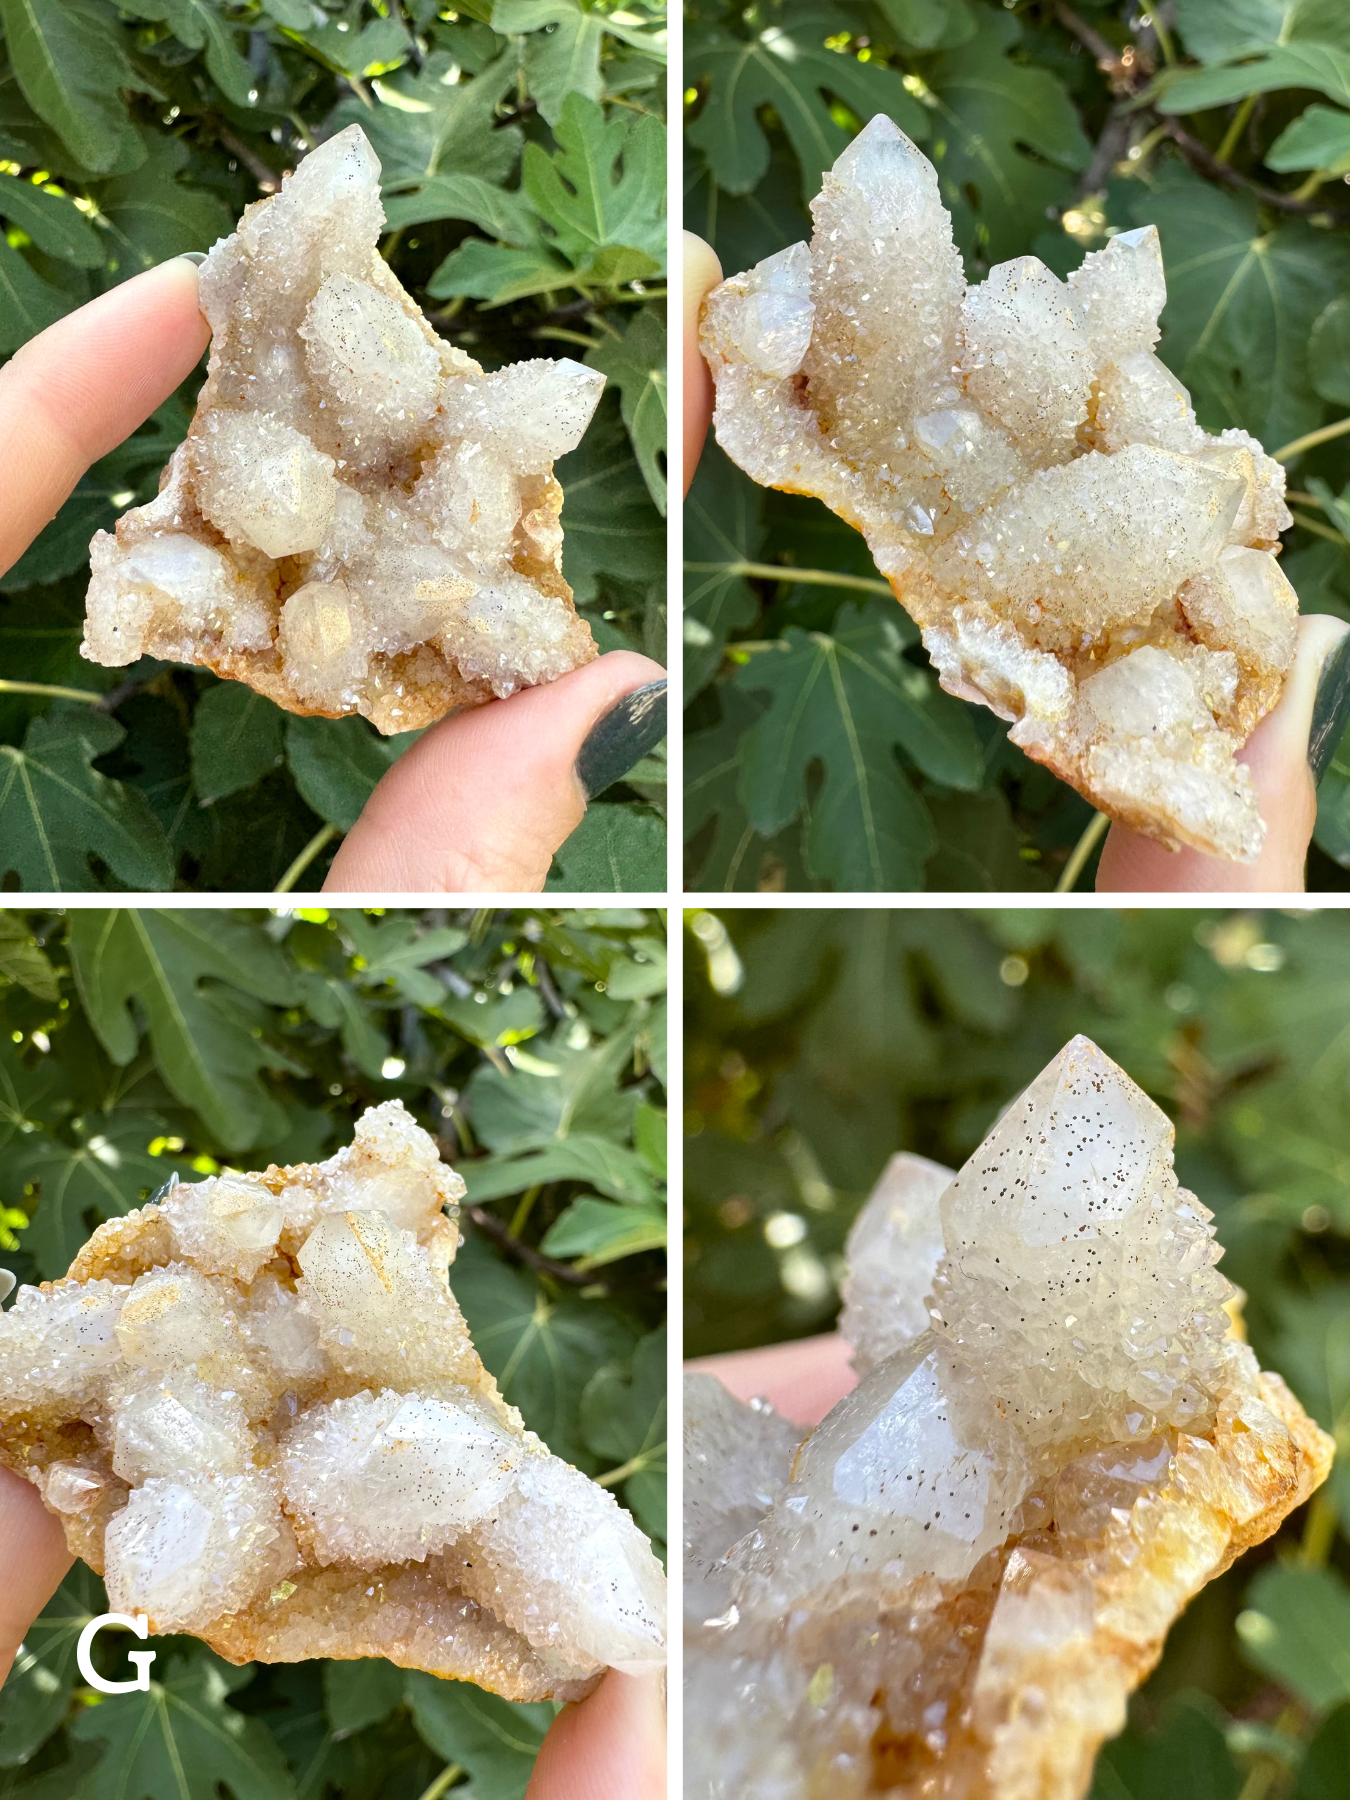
33 1560
1277 755
610 1746
481 802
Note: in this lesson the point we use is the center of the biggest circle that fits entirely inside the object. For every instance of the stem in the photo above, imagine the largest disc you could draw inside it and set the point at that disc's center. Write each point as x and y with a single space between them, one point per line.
1237 125
1082 850
779 572
1163 36
1319 1532
634 1466
320 841
1311 185
1203 159
53 693
491 1226
1318 529
269 182
525 1208
1311 440
450 1773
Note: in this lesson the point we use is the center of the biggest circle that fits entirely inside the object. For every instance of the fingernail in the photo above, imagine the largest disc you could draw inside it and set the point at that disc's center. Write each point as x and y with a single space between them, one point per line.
192 256
6 1283
624 736
1331 709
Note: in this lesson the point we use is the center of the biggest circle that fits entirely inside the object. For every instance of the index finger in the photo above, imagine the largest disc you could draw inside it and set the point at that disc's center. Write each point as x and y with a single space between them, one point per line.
801 1380
73 392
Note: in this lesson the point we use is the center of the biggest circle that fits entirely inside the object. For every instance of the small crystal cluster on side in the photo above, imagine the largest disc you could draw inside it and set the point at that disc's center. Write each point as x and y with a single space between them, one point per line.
255 1407
359 520
954 1582
1079 554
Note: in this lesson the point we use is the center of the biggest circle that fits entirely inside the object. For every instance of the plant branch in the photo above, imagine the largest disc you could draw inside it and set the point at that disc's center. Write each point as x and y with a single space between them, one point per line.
269 182
1082 850
493 1227
1203 160
52 693
783 572
320 841
1310 441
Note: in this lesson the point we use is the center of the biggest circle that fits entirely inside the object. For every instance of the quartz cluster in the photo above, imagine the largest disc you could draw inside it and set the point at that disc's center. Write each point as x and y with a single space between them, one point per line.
1078 553
360 520
255 1407
951 1586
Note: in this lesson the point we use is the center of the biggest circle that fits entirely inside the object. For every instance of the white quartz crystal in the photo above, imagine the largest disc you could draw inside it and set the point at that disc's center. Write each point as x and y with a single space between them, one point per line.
256 1408
1031 480
952 1584
361 519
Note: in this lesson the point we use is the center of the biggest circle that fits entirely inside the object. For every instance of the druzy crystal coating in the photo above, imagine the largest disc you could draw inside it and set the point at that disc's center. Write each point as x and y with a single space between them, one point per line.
360 520
1078 553
951 1586
256 1409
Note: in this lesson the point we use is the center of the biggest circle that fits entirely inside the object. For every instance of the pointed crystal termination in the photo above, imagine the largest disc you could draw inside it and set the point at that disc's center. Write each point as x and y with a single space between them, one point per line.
1031 479
256 1410
359 520
952 1585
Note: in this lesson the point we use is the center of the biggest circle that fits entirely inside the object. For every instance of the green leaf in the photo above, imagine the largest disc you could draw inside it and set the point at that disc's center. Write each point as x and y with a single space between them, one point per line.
22 961
612 529
100 1169
786 66
498 274
52 220
562 1093
597 1160
562 52
333 1003
1322 1776
56 811
337 762
1296 1630
69 60
615 849
497 1742
598 1232
850 700
360 1693
1329 352
439 123
397 949
1317 139
159 959
605 185
500 1020
987 108
153 214
182 1737
723 527
649 1137
197 23
931 24
236 738
1216 30
496 210
1186 1759
1241 302
36 1695
623 1414
28 304
1321 67
636 364
379 46
542 1351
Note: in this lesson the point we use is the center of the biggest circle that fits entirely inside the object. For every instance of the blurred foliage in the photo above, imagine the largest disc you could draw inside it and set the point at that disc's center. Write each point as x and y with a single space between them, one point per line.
533 1045
819 1043
523 152
1052 126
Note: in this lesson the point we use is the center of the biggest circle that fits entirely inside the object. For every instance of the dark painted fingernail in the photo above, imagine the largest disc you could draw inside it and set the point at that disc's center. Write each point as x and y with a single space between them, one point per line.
1331 709
192 256
624 736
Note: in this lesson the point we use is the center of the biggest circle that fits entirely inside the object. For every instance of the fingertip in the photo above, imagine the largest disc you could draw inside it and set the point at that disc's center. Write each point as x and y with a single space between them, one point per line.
801 1380
701 273
34 1560
610 1744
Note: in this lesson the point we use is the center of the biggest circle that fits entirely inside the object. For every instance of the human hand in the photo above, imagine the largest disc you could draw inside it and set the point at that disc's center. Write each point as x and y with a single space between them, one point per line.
484 798
702 272
801 1380
613 1742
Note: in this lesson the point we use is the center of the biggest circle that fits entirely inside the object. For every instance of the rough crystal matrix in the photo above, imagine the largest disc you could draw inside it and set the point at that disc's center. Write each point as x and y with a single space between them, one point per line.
949 1589
1079 554
255 1408
360 520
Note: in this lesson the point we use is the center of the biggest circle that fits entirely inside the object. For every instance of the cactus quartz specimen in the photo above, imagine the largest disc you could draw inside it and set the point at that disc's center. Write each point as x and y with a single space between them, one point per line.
256 1410
360 520
1031 480
950 1587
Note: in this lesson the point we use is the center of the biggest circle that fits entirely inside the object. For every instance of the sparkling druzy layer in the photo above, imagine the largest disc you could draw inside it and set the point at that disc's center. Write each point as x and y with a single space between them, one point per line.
255 1407
950 1587
360 520
1079 554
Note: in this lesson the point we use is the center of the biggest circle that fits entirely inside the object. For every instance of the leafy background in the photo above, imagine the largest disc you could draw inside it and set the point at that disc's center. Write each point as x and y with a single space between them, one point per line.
533 1044
523 153
817 1044
1226 123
